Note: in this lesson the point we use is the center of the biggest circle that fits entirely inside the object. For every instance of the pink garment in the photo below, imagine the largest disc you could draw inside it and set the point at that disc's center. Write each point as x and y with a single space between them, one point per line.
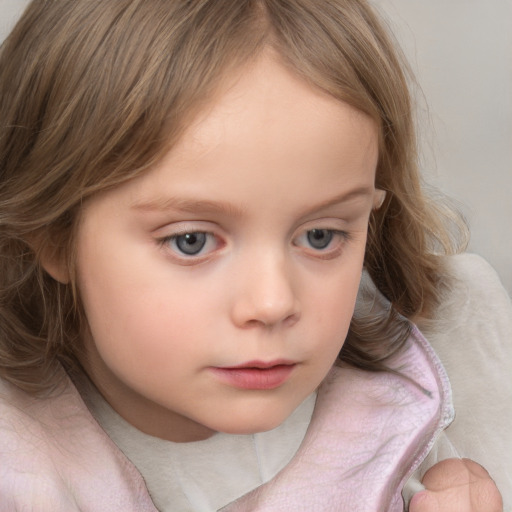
368 433
54 457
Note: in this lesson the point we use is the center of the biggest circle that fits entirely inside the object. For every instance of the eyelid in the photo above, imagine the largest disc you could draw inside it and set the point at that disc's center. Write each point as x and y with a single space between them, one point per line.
172 232
188 259
335 248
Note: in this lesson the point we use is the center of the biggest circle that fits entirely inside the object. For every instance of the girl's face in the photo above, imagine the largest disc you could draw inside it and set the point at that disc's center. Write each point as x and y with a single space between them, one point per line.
219 286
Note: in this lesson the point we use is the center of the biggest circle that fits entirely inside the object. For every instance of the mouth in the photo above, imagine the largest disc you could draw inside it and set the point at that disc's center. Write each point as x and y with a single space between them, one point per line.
257 375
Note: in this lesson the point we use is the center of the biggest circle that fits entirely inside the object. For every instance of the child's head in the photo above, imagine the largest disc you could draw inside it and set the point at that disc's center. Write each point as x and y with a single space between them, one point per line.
94 95
230 252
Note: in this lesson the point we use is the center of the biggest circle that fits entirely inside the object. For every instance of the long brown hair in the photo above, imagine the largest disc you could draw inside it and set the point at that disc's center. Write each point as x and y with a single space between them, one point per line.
93 93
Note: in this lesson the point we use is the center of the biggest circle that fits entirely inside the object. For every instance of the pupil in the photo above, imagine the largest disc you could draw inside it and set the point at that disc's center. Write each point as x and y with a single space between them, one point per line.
319 238
191 243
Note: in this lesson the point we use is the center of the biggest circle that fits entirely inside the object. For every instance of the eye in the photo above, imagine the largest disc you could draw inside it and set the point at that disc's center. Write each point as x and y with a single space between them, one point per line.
322 243
193 243
190 244
320 238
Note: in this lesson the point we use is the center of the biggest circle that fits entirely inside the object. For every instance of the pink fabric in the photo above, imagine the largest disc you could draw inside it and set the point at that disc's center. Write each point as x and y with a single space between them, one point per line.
54 457
368 433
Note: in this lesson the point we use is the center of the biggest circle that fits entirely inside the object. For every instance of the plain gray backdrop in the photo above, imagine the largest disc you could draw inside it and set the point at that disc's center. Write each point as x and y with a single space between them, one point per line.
461 54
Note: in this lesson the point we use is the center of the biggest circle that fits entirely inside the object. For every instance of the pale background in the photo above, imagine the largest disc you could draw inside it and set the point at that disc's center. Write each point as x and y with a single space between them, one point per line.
461 53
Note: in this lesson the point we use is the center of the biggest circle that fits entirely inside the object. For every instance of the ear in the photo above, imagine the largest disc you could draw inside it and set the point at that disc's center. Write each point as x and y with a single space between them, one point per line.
57 270
53 262
378 198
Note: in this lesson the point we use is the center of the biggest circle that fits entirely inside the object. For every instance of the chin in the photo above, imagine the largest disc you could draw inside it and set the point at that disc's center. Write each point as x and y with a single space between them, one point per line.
252 424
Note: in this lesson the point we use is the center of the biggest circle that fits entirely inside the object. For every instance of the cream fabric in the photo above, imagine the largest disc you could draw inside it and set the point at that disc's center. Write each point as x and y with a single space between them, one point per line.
472 336
206 475
55 457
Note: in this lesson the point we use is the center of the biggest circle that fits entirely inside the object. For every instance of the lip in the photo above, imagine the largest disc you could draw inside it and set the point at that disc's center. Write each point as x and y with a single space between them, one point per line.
257 375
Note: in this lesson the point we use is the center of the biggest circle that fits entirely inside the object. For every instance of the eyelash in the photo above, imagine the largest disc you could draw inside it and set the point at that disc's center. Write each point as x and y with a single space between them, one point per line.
337 237
172 240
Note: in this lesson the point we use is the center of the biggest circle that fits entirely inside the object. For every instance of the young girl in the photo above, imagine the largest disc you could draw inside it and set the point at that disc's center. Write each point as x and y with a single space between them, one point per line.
214 243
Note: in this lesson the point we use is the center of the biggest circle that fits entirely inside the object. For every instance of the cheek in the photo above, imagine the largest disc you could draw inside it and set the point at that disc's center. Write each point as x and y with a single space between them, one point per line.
135 321
147 319
333 308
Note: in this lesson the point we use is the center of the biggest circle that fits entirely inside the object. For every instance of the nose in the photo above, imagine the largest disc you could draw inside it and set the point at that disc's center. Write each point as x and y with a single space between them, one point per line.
265 294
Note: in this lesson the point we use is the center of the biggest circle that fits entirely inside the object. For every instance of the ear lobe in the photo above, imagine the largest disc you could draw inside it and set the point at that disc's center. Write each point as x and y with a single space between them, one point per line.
54 264
378 198
55 269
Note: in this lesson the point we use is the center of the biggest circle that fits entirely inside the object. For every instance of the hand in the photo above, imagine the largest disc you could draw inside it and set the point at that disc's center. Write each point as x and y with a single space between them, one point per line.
457 485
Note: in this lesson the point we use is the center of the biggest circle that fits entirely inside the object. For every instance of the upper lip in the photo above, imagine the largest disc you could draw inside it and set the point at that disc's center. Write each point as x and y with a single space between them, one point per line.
262 365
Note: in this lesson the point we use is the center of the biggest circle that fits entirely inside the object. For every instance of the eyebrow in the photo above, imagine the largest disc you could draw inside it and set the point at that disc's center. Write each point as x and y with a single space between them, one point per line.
185 205
344 197
206 206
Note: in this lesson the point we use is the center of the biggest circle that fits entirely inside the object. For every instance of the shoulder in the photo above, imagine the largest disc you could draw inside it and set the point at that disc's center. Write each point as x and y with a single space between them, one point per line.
472 335
473 282
55 455
476 273
472 329
474 308
27 472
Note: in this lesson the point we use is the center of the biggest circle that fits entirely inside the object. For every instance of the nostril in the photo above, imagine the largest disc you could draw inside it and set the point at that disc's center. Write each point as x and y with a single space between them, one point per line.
292 319
265 295
249 315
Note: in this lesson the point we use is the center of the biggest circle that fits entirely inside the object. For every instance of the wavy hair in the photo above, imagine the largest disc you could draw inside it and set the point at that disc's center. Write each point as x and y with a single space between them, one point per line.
93 93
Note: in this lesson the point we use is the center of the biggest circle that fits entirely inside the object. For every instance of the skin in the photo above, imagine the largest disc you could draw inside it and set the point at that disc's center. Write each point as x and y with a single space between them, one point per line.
269 161
457 485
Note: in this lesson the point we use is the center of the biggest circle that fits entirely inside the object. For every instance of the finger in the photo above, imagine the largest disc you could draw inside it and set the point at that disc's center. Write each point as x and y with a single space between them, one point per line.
487 497
425 501
453 472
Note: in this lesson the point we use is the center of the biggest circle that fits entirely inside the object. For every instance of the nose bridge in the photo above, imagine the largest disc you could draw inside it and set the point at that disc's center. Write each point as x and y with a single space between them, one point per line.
265 291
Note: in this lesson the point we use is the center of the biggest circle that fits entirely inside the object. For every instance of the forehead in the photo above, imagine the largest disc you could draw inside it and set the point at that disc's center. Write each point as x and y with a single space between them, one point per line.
269 114
271 99
265 129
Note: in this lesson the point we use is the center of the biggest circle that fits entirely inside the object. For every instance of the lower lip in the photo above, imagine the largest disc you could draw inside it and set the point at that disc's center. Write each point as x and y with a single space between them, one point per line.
255 378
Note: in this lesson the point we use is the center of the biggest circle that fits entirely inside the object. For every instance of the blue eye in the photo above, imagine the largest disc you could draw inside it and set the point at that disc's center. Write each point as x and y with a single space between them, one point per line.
191 247
190 244
320 238
322 243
